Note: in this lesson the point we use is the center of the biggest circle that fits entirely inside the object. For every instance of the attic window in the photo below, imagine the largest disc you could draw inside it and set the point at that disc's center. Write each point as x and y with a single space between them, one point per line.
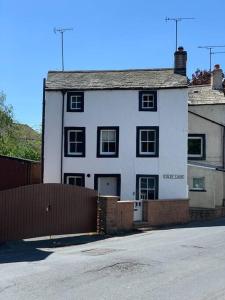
75 101
148 101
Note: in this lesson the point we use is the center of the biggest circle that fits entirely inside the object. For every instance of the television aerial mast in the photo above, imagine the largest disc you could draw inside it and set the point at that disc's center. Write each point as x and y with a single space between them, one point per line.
176 20
61 31
210 48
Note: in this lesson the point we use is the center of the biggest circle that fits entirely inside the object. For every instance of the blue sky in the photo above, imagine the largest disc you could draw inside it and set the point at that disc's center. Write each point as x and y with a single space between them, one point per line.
108 34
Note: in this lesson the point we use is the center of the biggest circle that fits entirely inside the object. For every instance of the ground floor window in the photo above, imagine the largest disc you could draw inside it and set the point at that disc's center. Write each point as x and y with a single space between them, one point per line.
74 179
147 187
198 184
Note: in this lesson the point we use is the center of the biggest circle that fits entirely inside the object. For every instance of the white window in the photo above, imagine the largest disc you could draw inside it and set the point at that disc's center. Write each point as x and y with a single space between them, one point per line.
147 187
76 102
75 141
198 183
107 141
147 101
147 141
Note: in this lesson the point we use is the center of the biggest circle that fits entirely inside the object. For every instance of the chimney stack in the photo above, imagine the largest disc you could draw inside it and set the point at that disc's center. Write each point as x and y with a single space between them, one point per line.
217 78
180 61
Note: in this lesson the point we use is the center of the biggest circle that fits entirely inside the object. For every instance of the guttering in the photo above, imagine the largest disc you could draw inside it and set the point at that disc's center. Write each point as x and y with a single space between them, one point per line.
43 132
118 88
62 136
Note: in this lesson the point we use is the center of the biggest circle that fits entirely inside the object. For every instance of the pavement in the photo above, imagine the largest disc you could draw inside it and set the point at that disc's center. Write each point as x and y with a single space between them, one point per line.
181 263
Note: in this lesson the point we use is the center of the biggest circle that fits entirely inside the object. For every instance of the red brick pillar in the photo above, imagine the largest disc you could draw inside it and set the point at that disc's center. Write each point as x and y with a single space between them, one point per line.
107 214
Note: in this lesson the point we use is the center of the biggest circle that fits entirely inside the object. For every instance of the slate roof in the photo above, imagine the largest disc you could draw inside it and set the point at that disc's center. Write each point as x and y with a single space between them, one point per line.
204 94
121 79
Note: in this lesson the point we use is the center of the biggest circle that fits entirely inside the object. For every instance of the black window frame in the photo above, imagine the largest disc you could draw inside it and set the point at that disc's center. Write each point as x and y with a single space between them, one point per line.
99 129
82 175
156 177
138 130
66 131
69 96
148 92
203 138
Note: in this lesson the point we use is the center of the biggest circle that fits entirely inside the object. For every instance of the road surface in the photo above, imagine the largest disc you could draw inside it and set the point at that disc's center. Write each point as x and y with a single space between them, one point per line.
172 264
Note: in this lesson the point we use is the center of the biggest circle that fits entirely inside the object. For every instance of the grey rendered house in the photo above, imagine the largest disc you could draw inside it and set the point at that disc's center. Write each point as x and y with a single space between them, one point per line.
206 143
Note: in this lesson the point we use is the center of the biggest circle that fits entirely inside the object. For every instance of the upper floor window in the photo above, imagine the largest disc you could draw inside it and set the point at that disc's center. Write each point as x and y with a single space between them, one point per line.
74 179
75 101
196 147
147 141
148 101
74 141
108 142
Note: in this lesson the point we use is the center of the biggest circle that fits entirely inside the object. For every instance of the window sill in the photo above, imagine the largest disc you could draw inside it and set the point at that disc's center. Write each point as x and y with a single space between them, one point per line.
196 158
195 190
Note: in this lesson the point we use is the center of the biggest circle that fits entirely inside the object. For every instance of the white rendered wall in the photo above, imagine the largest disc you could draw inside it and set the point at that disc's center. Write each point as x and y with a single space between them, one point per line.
120 108
52 137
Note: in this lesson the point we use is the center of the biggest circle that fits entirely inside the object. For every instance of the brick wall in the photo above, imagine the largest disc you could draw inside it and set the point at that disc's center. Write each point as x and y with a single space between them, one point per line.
114 215
166 212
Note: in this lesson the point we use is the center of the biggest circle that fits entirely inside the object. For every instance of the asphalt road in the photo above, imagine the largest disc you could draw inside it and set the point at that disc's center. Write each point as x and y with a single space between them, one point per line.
176 264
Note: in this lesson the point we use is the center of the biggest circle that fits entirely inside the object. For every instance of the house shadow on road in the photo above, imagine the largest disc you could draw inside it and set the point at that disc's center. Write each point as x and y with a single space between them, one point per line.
19 251
38 249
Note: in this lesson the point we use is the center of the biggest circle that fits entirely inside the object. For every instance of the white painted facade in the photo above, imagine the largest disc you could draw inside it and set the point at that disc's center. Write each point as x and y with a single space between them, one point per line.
120 108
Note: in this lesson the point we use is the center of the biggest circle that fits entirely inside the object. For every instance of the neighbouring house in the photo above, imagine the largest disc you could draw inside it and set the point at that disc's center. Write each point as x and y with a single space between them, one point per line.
206 143
121 132
15 172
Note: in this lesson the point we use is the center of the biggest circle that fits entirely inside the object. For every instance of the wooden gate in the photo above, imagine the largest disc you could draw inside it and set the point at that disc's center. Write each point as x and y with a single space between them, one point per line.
46 209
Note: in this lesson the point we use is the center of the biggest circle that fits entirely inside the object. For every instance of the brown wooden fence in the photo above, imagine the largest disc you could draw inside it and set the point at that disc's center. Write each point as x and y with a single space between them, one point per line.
46 209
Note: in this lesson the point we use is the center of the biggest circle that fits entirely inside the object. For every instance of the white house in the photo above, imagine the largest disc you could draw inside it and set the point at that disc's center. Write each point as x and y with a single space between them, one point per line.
121 132
206 143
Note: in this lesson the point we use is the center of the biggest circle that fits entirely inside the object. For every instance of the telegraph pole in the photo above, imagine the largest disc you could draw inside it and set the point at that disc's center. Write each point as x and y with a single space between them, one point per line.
61 31
176 20
210 48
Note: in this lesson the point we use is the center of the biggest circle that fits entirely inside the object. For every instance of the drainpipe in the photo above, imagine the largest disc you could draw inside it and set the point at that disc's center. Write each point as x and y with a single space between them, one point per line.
62 136
43 133
223 147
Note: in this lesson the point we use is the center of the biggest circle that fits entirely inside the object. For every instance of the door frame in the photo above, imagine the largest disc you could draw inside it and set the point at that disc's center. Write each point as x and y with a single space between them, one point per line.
117 176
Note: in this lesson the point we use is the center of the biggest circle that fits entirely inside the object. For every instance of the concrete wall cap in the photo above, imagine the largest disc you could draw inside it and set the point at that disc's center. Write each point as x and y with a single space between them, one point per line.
161 200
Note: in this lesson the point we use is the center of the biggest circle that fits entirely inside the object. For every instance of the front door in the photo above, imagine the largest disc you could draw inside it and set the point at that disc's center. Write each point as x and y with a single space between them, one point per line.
107 185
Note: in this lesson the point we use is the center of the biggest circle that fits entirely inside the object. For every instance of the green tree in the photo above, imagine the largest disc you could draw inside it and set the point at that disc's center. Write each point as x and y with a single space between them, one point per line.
16 139
6 125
